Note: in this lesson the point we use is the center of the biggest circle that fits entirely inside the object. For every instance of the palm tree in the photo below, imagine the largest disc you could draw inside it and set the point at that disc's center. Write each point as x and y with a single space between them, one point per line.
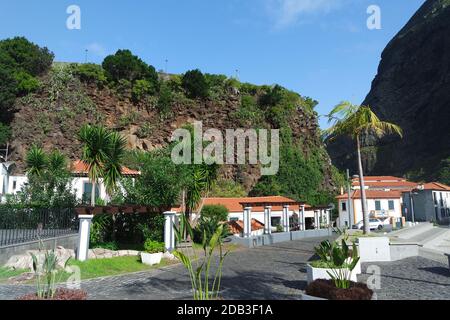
357 121
103 153
36 161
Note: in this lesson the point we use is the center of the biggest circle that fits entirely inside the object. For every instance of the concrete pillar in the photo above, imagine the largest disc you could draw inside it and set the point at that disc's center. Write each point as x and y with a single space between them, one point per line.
302 218
267 220
328 215
316 220
83 236
286 218
247 222
169 230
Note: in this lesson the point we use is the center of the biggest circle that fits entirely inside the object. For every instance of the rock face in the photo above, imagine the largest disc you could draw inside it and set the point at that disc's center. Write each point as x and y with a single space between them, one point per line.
412 89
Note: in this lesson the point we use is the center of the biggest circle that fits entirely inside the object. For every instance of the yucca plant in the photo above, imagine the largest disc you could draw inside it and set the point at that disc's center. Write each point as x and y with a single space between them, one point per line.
199 268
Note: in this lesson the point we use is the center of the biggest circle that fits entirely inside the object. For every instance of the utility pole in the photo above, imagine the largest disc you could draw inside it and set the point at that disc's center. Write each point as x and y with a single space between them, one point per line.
166 66
85 55
349 200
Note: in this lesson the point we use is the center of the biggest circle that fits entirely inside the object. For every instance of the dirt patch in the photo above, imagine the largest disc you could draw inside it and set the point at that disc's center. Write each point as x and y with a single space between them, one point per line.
326 289
61 294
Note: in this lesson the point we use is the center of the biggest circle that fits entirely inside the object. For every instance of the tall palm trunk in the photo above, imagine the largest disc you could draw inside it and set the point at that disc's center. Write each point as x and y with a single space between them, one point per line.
363 189
93 194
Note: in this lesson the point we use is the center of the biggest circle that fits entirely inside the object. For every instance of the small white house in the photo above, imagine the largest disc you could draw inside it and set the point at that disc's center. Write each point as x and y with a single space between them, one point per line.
80 182
381 205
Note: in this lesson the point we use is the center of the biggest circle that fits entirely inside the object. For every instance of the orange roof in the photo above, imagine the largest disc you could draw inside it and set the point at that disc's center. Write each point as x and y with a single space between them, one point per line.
234 204
238 226
436 186
380 178
80 168
374 194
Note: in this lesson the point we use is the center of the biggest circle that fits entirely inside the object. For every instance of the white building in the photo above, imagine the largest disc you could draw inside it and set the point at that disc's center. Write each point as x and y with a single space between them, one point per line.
381 205
80 183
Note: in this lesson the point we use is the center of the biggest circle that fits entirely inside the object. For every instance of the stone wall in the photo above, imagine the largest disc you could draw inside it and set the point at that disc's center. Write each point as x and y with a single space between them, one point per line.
67 241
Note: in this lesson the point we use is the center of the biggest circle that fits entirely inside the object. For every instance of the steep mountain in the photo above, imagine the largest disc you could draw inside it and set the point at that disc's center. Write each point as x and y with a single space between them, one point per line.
411 89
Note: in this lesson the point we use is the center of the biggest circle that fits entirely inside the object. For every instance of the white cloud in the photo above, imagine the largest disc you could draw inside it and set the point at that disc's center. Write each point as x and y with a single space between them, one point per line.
288 12
97 49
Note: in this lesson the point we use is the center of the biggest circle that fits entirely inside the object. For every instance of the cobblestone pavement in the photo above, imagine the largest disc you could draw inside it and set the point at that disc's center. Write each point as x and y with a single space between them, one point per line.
272 272
414 278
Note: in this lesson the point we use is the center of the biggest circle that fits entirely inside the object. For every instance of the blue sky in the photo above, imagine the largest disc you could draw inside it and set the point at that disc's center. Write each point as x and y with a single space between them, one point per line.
319 48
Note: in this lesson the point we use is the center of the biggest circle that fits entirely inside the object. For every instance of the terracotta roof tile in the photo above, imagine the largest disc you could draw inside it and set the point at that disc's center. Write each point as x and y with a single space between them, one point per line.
374 194
436 186
80 168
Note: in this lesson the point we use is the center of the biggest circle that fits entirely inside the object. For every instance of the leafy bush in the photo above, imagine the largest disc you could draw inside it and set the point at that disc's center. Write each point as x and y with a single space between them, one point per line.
5 133
165 99
123 65
142 88
227 189
113 246
27 56
175 83
151 246
145 130
90 73
26 83
249 114
218 212
195 84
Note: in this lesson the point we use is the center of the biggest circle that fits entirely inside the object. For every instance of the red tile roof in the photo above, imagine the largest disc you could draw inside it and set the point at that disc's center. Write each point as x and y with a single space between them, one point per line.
237 227
385 182
234 204
436 186
374 194
80 168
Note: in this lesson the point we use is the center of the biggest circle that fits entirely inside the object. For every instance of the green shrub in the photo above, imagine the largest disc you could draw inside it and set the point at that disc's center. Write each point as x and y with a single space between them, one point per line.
175 83
145 130
151 246
27 56
227 189
165 99
207 227
218 212
141 89
26 83
249 114
127 119
5 133
114 246
90 73
195 84
123 65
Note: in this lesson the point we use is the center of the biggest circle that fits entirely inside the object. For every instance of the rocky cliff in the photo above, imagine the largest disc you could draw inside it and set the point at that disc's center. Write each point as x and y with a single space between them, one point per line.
51 117
411 89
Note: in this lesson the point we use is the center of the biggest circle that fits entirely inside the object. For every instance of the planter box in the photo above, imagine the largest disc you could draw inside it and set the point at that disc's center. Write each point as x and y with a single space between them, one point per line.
374 249
312 298
322 273
151 258
448 256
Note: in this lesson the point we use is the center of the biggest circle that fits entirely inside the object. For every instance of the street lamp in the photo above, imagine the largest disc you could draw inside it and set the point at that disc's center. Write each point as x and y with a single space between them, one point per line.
411 193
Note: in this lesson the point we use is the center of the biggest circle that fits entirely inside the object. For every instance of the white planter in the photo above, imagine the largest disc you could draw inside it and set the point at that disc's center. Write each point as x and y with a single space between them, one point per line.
374 249
151 258
322 273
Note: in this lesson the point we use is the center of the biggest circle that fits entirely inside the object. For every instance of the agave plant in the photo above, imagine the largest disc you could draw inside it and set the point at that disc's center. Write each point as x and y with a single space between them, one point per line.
199 268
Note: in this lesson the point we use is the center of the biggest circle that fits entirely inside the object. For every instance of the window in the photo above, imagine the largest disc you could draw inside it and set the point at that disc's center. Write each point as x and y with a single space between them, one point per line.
87 190
344 206
276 221
234 219
14 185
391 205
377 205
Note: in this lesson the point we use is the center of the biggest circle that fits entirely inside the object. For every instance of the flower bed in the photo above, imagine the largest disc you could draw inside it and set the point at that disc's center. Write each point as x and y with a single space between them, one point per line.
61 294
326 289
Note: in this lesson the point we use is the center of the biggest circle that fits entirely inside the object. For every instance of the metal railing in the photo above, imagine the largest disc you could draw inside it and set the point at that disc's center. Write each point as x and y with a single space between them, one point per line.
25 225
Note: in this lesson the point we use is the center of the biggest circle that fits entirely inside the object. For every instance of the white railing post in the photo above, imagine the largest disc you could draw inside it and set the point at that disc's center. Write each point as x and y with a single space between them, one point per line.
169 230
267 220
316 220
83 237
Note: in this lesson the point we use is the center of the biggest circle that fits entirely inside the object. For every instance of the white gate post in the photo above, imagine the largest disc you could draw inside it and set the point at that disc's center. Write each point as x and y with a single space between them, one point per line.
169 230
83 237
302 212
316 220
267 220
328 218
247 222
286 218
